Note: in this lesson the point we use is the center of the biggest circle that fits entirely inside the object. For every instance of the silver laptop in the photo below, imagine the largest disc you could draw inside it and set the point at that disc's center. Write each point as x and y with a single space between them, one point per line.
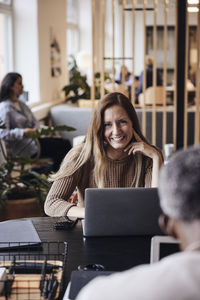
121 212
162 246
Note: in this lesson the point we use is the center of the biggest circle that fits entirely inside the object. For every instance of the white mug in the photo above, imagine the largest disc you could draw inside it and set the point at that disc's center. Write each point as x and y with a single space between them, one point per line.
169 149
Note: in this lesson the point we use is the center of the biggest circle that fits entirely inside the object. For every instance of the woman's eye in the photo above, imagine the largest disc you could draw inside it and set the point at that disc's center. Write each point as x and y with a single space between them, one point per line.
107 125
123 121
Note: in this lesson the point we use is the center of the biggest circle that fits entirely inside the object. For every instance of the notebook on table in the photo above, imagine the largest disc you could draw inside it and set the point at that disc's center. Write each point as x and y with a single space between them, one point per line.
121 212
18 234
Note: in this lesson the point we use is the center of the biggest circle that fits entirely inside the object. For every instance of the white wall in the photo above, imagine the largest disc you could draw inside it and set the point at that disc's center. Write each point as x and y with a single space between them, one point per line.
33 21
51 17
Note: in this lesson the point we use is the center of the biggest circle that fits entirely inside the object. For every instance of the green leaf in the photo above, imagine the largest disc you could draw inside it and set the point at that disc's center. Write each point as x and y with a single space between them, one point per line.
50 130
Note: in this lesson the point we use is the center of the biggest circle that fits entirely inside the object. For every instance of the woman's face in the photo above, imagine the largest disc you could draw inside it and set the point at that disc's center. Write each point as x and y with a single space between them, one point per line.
18 87
118 129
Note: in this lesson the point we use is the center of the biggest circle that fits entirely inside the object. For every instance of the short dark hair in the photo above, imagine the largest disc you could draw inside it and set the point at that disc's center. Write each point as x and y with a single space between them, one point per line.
179 186
7 84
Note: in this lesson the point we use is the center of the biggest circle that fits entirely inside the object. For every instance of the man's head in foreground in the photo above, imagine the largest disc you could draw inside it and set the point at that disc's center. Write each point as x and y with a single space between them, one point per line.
179 192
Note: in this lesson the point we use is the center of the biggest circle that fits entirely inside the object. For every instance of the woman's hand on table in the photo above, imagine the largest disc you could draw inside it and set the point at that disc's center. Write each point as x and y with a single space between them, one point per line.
75 211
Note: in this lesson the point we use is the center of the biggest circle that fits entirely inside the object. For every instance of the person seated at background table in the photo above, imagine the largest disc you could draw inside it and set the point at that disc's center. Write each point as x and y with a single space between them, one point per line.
176 276
128 80
114 154
124 72
149 77
20 121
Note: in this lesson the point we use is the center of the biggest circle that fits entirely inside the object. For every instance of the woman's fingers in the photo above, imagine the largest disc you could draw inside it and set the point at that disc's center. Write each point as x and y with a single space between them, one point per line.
140 147
137 137
134 147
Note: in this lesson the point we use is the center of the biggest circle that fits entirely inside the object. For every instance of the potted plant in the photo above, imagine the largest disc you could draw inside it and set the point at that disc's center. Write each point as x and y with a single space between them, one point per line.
78 88
22 190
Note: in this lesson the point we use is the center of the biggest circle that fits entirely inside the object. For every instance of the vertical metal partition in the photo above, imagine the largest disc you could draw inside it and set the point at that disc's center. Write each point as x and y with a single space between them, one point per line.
102 46
154 72
133 52
175 89
197 113
113 43
123 38
144 72
186 91
162 38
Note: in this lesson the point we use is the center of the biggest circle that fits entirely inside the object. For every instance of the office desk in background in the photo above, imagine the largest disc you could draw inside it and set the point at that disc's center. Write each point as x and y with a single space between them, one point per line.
115 253
191 93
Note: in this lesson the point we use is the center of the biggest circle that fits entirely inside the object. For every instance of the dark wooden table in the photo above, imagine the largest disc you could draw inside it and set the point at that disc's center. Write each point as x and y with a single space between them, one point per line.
114 253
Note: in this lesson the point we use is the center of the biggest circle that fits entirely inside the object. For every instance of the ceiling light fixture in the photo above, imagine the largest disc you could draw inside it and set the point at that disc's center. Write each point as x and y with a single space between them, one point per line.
192 9
193 1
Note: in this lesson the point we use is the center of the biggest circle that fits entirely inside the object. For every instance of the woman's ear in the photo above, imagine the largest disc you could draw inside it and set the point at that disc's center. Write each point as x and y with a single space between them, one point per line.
168 225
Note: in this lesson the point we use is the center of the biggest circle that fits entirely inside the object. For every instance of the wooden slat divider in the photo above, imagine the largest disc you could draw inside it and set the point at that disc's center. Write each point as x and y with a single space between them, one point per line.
144 72
93 54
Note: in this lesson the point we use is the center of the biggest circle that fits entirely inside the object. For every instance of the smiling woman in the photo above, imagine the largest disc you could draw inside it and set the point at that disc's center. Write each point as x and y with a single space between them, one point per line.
114 154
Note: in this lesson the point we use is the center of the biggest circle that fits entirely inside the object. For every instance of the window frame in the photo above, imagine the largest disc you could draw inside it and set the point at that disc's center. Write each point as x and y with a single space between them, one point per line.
72 26
7 9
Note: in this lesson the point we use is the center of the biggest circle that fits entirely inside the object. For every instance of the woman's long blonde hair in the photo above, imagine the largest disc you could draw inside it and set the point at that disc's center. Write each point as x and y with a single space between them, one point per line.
94 146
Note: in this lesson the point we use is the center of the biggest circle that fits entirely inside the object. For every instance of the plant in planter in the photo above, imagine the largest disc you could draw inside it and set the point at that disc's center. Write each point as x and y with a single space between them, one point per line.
98 84
78 87
19 182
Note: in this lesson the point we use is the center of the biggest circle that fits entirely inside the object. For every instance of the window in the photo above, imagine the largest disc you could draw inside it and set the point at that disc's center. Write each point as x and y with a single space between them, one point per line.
72 27
5 1
6 59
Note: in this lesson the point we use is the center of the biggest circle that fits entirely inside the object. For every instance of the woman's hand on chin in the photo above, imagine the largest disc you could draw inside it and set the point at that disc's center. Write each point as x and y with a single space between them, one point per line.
142 147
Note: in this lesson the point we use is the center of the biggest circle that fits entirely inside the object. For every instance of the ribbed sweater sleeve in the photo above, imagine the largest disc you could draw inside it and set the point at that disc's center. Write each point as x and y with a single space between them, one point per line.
56 203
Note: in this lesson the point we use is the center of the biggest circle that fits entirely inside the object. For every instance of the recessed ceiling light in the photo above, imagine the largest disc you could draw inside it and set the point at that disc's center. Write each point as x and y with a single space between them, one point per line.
192 9
193 1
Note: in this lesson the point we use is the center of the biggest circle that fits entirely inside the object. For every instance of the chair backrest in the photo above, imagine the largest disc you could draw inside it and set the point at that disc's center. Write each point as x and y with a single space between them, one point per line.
150 93
3 152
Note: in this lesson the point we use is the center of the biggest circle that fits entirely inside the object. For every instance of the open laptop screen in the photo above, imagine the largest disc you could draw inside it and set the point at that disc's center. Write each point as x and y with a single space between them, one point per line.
121 212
